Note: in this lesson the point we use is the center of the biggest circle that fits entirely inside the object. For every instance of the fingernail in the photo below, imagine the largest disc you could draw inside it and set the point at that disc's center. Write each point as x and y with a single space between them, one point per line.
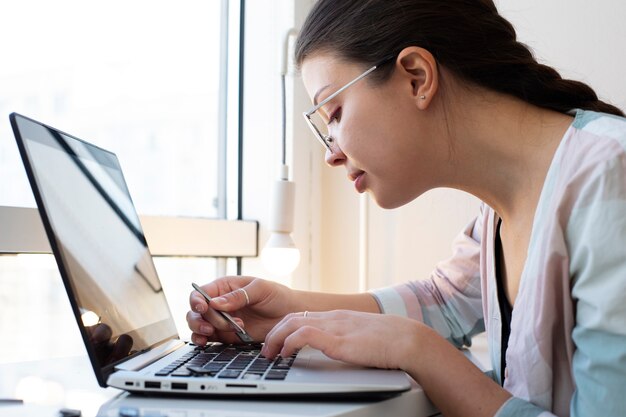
206 330
199 308
219 300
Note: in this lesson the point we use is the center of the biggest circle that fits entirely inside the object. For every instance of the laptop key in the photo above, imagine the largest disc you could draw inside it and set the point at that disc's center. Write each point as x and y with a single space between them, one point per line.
181 372
209 369
229 373
276 375
214 348
202 372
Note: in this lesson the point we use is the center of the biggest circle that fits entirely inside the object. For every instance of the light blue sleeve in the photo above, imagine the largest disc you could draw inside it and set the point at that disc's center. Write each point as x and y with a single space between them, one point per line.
596 236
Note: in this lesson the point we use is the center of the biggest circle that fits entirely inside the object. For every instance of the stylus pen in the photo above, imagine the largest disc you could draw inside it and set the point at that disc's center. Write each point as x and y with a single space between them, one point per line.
241 333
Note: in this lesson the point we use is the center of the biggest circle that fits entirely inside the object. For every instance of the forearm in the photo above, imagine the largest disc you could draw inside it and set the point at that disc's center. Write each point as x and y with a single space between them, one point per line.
319 301
455 385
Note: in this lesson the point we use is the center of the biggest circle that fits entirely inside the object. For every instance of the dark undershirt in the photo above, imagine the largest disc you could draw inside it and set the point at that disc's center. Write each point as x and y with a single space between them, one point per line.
505 307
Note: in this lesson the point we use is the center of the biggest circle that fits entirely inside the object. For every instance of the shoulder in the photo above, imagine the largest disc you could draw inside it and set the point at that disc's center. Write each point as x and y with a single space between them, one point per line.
590 165
593 185
586 188
594 139
601 124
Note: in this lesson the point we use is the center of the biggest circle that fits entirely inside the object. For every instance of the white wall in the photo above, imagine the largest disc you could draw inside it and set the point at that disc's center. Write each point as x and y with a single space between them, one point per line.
584 40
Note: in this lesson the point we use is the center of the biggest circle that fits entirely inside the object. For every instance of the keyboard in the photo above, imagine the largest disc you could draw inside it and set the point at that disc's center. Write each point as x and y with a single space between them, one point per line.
229 362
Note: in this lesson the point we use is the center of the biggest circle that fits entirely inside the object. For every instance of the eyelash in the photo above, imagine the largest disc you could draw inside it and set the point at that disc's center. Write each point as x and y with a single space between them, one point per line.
336 115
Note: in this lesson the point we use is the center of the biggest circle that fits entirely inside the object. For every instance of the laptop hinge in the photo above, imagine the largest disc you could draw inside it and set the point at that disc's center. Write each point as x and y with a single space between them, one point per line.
150 356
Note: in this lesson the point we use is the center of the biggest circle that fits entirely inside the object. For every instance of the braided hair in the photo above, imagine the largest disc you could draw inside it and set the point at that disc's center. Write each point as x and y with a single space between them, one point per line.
468 37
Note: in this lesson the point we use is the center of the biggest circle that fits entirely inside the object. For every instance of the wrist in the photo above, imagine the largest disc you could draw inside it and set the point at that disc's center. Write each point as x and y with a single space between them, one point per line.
319 301
423 349
300 301
411 348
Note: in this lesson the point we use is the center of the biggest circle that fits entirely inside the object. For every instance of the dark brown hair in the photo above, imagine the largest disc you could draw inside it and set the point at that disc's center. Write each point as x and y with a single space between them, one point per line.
468 37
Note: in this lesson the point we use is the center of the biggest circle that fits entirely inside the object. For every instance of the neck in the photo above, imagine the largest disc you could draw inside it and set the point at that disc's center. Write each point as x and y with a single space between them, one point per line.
502 149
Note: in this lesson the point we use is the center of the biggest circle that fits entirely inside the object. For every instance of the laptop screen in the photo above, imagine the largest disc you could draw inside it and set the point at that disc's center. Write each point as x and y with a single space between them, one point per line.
98 242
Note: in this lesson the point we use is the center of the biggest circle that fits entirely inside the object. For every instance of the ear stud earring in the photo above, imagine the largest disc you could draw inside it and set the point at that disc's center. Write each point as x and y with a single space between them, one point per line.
422 97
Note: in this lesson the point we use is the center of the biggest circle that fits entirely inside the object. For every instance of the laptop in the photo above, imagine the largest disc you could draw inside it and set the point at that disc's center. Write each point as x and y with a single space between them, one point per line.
118 301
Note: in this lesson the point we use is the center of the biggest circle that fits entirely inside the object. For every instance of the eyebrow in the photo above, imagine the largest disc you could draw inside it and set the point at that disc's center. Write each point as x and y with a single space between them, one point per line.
318 93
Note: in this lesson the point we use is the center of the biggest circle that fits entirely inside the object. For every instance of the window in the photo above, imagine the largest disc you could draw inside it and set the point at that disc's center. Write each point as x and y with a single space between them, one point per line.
149 81
140 78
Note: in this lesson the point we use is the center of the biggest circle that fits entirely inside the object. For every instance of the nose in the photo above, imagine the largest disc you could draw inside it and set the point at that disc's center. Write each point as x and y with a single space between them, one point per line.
336 157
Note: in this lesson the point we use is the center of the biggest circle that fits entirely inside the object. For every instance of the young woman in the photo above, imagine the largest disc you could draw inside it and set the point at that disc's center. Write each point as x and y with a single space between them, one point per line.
411 95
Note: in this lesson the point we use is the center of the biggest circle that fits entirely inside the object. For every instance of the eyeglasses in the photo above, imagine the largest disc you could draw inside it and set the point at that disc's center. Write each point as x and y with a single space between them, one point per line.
315 122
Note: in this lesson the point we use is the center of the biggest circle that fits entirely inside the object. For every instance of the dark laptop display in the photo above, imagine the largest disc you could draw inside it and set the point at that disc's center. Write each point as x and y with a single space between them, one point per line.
98 242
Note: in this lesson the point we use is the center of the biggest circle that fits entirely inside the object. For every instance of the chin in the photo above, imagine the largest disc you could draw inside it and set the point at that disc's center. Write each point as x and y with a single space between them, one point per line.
389 202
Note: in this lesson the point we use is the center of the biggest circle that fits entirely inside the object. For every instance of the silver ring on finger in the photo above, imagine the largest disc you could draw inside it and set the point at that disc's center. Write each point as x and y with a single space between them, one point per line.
245 293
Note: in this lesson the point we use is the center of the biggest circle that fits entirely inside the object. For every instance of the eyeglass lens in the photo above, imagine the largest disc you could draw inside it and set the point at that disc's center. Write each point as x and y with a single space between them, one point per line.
321 126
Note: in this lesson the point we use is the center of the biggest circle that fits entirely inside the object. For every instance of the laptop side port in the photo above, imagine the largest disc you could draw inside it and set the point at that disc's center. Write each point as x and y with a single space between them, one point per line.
179 385
129 383
152 384
241 385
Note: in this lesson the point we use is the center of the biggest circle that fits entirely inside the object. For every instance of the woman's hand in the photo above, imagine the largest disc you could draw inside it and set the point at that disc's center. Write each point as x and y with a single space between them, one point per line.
367 339
267 303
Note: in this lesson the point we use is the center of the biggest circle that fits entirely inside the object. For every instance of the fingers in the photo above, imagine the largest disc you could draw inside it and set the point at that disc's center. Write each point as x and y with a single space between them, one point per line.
232 301
222 337
204 331
311 336
197 302
227 293
245 291
294 332
198 324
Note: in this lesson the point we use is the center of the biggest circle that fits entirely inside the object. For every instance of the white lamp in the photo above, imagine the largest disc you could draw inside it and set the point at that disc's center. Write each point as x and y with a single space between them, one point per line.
280 256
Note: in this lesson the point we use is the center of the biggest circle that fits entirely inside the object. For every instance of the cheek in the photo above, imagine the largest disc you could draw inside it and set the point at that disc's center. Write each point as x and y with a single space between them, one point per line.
399 163
366 134
382 141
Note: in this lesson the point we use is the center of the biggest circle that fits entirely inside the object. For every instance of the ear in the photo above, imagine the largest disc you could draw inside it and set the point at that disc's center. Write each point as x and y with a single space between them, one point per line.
420 69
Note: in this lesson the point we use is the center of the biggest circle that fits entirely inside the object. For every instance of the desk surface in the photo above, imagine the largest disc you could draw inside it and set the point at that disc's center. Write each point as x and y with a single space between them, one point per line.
47 386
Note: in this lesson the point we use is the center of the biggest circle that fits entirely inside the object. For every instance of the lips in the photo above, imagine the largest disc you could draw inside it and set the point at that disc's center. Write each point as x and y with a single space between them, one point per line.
354 175
358 178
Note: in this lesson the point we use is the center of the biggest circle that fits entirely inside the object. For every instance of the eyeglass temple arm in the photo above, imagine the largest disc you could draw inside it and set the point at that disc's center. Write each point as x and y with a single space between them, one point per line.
336 93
